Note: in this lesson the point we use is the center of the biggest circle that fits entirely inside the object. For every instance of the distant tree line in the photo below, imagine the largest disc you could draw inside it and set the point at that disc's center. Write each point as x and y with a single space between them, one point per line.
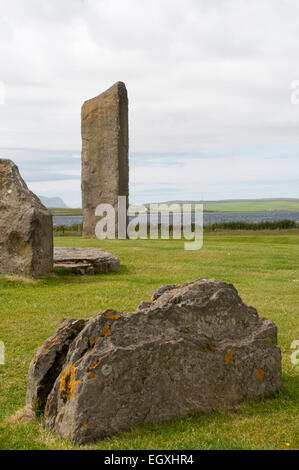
76 229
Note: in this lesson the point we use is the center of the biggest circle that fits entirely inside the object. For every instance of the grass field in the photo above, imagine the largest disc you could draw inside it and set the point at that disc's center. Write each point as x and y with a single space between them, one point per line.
253 205
264 267
65 211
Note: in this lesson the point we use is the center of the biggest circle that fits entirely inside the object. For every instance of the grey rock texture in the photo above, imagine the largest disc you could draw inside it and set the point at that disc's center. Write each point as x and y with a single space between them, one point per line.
26 228
195 347
105 143
47 363
85 260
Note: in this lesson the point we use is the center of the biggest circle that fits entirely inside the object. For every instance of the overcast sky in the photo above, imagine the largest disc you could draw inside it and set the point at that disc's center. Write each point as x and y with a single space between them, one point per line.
209 84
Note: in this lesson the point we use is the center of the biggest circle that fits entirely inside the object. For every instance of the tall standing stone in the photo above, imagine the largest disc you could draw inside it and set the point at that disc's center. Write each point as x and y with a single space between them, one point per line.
105 166
26 227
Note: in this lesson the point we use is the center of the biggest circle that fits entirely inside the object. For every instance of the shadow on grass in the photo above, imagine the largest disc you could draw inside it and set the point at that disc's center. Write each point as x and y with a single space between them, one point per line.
63 276
173 434
197 430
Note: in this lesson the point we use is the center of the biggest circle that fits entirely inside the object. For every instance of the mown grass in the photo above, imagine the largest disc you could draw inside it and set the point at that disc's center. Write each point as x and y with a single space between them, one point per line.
253 205
65 211
263 266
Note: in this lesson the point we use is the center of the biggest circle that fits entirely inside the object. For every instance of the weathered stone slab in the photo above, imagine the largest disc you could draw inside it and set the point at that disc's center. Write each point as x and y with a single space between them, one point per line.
47 363
105 166
193 347
26 228
85 260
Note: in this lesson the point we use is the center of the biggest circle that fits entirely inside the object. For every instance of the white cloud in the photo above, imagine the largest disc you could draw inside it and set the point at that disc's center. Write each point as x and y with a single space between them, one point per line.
69 190
201 76
216 178
2 93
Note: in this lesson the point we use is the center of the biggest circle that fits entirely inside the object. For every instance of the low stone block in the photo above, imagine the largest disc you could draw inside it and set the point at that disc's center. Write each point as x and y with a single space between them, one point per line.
85 260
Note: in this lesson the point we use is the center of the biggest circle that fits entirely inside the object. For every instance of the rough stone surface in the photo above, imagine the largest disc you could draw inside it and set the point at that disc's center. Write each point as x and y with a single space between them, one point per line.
48 361
26 228
85 260
194 348
105 166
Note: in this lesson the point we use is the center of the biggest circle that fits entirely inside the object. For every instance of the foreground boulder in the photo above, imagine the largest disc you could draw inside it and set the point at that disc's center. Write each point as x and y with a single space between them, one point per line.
26 230
193 347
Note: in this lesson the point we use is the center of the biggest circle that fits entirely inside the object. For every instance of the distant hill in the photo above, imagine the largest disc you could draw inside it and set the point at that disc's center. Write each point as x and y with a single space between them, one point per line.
53 202
227 205
244 205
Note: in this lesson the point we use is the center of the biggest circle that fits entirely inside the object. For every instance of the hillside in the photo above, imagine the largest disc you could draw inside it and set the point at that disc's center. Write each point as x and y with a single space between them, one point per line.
57 202
245 205
234 205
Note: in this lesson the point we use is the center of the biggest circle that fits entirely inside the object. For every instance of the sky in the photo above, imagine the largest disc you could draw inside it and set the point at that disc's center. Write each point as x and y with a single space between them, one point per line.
213 92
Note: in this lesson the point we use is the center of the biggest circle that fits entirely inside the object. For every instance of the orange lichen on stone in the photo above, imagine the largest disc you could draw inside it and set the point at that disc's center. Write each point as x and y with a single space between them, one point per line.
106 330
111 314
209 347
91 375
68 383
229 356
260 374
96 363
2 174
88 108
109 99
53 341
92 341
63 325
185 332
54 338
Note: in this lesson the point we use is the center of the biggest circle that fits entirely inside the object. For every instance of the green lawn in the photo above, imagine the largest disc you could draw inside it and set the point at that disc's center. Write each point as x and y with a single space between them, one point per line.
253 205
65 211
264 267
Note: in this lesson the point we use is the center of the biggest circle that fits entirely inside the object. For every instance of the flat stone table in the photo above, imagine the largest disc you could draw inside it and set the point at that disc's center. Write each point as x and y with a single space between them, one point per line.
85 260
